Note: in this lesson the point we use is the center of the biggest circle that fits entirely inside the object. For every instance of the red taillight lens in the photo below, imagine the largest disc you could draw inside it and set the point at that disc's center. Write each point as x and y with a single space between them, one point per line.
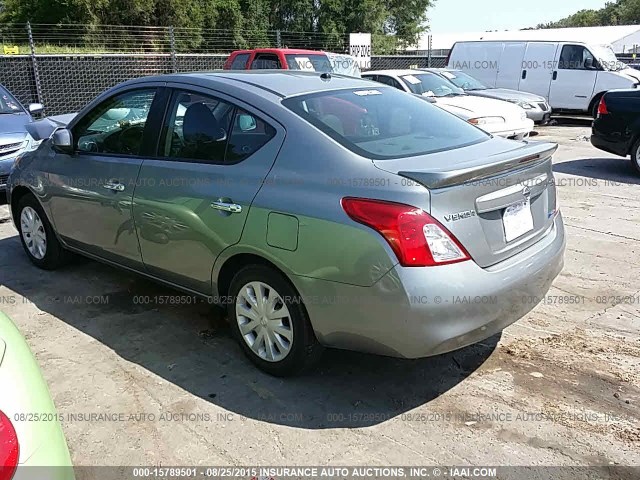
9 448
417 238
602 107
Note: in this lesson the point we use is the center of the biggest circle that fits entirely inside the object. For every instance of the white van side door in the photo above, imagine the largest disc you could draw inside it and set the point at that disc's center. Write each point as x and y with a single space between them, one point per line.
510 66
574 78
478 59
537 68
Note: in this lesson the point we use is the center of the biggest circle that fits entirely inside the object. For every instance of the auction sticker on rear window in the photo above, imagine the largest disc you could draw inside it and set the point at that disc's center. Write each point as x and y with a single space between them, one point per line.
449 75
411 79
364 93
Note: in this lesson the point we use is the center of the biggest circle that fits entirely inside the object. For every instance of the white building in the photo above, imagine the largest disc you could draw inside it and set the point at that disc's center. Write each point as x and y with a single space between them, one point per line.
623 38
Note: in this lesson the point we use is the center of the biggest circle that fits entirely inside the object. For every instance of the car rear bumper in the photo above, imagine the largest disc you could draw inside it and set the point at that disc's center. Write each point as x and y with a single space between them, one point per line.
419 312
609 143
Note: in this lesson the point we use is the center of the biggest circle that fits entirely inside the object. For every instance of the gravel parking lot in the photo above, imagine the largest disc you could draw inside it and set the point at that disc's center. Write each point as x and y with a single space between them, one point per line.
143 383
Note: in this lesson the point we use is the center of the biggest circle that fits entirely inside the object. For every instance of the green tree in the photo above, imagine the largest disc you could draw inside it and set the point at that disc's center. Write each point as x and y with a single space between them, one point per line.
250 22
52 11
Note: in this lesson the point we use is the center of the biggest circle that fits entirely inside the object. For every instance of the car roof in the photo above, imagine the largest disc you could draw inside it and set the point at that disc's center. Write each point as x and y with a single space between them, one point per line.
400 72
283 83
294 51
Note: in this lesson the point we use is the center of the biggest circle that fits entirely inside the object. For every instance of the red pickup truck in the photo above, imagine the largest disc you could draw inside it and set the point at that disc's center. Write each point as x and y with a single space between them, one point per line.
278 58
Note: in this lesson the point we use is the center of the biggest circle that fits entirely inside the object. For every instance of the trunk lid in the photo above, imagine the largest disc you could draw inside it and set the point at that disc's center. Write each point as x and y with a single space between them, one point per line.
483 193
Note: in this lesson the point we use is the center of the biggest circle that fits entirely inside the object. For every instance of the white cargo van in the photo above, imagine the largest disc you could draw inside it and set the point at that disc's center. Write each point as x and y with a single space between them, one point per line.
572 76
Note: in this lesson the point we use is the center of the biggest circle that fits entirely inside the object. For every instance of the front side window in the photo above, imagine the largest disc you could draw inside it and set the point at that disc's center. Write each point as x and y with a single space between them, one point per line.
206 129
240 61
116 126
431 85
576 57
265 61
384 123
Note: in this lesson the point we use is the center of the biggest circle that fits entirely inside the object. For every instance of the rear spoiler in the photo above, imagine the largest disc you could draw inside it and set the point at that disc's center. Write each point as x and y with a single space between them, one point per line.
504 162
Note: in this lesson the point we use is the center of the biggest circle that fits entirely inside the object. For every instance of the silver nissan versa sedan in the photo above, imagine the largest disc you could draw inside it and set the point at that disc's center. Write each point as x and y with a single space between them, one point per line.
322 211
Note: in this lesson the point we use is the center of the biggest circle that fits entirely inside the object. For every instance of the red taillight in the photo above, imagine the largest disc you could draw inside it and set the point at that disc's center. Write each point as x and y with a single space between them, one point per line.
9 448
602 107
417 238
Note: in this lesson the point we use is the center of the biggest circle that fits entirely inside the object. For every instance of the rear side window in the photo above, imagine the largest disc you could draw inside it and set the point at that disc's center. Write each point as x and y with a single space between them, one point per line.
206 129
239 62
265 61
248 135
384 123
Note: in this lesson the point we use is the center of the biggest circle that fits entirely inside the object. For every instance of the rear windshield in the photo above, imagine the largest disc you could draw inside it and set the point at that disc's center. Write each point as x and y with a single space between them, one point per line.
310 63
384 123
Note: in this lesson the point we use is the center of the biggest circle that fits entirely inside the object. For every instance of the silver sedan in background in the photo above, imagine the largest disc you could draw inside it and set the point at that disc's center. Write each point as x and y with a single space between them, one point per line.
536 107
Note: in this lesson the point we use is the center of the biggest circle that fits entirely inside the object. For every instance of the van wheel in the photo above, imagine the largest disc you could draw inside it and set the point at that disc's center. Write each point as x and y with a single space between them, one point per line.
271 323
37 236
635 156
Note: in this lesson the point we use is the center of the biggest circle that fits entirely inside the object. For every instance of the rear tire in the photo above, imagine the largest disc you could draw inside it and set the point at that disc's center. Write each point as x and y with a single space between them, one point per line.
37 236
270 322
635 156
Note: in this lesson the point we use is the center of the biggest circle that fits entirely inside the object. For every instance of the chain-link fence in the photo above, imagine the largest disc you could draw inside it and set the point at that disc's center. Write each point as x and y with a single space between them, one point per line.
65 66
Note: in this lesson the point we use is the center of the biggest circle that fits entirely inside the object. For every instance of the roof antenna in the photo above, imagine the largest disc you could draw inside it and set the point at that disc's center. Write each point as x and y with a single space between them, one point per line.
325 76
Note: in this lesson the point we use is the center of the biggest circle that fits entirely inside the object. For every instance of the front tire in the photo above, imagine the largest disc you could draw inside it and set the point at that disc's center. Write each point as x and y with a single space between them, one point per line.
271 323
37 236
635 156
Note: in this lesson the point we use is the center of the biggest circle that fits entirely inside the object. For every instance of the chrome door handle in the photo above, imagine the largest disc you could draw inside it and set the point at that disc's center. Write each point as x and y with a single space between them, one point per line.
118 187
227 207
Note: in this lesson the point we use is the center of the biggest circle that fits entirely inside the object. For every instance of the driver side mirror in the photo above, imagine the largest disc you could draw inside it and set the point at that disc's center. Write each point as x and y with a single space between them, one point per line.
35 108
62 141
589 64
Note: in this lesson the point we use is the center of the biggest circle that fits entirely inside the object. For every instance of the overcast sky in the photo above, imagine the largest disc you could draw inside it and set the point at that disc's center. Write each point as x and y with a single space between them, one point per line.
476 15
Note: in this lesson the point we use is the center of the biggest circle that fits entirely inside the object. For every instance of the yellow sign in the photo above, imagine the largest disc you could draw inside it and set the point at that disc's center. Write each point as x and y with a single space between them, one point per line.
11 50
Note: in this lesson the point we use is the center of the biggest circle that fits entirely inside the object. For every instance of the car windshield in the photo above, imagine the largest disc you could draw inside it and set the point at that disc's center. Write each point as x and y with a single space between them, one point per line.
464 81
308 62
384 123
430 85
607 58
8 104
